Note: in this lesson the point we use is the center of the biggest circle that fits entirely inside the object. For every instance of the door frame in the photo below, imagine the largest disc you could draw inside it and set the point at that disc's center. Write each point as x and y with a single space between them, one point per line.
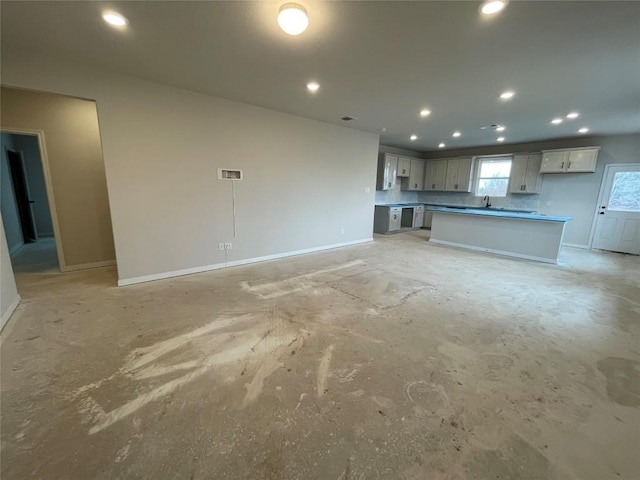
605 173
22 173
39 134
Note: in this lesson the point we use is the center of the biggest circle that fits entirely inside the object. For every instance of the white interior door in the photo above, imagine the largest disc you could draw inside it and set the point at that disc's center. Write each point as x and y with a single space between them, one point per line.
618 217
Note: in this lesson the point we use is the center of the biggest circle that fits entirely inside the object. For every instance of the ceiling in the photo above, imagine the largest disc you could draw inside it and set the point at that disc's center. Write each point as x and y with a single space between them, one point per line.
381 62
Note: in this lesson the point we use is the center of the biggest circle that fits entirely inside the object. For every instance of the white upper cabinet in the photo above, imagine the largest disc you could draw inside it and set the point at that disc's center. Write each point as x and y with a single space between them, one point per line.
416 175
404 166
458 177
387 171
435 175
570 160
525 174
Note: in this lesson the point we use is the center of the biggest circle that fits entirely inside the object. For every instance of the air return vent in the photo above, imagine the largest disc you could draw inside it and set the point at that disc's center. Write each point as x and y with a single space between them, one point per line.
347 118
228 174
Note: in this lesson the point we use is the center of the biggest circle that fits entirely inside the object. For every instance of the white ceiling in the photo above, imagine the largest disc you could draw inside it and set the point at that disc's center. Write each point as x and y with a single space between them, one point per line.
378 61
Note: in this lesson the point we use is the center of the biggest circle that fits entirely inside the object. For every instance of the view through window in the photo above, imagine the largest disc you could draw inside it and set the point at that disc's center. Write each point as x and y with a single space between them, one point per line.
625 193
493 176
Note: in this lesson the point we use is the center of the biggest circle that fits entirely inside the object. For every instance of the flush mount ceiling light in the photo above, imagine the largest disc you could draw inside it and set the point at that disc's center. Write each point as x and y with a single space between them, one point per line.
573 115
556 121
500 128
583 130
293 18
425 112
500 139
413 137
441 145
507 95
492 7
114 19
456 134
313 86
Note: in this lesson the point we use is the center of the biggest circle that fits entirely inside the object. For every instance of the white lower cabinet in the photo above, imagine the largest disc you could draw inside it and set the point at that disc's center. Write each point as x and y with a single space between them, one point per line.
525 174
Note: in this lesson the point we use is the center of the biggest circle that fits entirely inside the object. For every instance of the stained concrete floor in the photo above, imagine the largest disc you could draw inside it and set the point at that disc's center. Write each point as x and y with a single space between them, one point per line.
389 360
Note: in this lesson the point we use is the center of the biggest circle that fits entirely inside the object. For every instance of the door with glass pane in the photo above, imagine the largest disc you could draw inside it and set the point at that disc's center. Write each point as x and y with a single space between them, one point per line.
618 218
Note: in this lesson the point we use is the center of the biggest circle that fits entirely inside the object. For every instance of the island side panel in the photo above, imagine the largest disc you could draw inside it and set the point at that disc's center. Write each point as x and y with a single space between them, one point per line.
530 239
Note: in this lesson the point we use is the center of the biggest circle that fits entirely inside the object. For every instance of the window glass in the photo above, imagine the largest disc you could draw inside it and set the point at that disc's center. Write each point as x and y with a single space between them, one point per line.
493 177
625 192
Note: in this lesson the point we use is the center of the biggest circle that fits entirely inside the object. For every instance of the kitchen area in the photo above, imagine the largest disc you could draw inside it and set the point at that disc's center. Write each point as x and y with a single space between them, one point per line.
445 197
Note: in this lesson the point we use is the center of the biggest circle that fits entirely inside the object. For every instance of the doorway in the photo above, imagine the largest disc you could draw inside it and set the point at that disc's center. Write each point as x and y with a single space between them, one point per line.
617 222
25 205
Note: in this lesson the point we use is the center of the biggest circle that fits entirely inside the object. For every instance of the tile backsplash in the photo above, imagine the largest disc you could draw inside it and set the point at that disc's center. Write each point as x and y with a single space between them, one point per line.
454 198
384 197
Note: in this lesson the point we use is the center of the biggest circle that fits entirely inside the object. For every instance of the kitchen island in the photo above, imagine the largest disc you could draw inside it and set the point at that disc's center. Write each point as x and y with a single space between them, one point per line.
522 235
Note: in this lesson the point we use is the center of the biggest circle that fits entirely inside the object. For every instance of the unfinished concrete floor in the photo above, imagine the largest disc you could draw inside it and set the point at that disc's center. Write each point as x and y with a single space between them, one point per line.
389 360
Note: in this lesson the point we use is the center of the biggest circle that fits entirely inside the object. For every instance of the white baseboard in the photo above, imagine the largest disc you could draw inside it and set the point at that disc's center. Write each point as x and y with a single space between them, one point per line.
83 266
7 315
206 268
491 250
576 245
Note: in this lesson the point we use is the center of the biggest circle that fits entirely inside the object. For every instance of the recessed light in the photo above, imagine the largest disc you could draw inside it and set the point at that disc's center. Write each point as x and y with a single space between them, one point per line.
293 18
492 7
500 128
456 134
114 18
583 130
313 86
441 145
500 139
507 95
556 121
425 112
573 115
413 137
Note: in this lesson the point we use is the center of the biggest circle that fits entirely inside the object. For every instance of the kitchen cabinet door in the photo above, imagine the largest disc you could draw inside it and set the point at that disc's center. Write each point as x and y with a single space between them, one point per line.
532 177
554 162
416 175
464 175
387 171
582 160
451 181
518 172
458 175
525 174
435 173
404 166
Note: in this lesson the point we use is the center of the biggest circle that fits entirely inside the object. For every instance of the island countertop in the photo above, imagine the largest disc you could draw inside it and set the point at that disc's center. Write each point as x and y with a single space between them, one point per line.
493 213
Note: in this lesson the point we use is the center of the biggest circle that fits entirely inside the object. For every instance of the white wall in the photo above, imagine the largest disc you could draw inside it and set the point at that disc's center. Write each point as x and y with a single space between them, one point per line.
9 297
8 205
28 145
573 194
304 180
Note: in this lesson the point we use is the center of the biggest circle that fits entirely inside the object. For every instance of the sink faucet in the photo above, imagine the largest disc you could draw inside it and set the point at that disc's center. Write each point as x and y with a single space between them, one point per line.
487 201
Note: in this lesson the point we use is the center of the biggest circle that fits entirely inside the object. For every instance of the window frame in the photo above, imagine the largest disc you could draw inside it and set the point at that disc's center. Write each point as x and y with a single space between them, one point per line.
478 167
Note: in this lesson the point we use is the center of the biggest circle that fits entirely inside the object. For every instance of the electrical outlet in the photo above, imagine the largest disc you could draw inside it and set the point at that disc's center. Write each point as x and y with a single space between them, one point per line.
228 246
342 231
221 247
548 203
367 190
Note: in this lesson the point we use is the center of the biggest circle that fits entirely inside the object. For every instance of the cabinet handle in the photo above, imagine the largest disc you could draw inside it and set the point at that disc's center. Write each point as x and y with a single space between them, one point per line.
389 184
415 185
562 166
568 165
524 187
433 185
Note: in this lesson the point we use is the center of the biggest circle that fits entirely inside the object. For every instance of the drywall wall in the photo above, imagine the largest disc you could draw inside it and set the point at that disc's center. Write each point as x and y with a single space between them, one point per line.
305 182
9 297
384 197
28 145
8 205
74 153
573 194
